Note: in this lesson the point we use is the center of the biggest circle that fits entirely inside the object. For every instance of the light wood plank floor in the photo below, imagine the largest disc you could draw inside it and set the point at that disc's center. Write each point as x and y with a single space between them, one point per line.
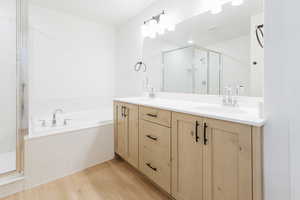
113 180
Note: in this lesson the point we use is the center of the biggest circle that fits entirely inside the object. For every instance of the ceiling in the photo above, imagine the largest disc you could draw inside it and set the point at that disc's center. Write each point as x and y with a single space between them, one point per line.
206 29
109 11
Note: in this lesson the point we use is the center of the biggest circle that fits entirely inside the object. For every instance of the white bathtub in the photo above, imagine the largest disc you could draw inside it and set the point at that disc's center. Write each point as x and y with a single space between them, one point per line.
75 121
55 152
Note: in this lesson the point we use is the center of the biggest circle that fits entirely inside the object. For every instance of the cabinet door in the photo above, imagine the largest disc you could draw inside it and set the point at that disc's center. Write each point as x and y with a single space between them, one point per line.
187 157
132 134
126 132
120 130
227 158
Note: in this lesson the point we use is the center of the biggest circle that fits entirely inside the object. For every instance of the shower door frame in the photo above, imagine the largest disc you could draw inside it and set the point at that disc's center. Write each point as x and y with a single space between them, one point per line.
197 47
21 89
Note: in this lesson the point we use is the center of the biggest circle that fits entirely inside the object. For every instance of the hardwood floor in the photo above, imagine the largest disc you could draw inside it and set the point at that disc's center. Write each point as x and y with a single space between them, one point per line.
113 180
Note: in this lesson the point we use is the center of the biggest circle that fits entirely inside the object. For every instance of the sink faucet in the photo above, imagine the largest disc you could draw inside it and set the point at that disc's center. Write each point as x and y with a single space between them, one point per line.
229 99
54 121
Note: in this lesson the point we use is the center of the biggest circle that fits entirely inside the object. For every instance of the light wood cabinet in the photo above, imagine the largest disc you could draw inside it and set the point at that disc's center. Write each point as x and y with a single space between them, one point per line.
191 157
126 132
214 160
155 153
227 161
187 157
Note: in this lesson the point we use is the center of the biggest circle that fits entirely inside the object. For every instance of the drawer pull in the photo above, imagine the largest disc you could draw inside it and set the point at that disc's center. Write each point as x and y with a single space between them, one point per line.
150 166
152 115
197 135
124 112
205 134
151 137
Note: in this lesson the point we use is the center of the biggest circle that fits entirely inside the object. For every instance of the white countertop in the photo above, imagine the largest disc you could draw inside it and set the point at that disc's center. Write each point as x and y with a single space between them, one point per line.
243 115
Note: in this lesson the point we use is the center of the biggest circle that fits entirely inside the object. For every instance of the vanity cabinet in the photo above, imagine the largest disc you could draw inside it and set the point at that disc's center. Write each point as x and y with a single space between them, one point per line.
187 157
126 132
227 161
191 157
211 159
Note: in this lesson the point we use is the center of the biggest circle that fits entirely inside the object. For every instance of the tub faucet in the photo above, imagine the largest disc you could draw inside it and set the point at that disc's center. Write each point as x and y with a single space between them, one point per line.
54 121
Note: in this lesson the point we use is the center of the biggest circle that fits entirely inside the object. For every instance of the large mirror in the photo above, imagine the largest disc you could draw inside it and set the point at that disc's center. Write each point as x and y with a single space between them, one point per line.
210 53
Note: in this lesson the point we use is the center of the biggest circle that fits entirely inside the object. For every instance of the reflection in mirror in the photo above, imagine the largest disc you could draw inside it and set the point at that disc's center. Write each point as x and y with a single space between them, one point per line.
208 53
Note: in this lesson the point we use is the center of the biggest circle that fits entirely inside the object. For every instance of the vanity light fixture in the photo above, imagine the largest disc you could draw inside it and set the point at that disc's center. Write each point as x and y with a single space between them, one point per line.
191 42
157 25
237 2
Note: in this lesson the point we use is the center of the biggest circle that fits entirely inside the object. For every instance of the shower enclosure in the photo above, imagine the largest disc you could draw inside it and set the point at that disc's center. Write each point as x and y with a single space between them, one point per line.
12 87
192 69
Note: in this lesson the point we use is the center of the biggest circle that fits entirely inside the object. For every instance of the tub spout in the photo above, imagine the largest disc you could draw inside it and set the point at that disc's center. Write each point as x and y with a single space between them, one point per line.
54 121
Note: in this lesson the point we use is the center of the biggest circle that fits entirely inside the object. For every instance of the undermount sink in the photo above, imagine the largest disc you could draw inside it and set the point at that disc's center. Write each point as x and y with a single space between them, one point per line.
221 109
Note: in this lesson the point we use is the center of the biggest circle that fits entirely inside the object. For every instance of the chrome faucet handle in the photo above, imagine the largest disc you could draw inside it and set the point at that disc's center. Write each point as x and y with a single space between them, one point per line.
66 121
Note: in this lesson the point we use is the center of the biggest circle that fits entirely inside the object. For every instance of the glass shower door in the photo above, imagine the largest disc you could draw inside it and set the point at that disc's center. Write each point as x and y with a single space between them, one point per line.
178 70
8 86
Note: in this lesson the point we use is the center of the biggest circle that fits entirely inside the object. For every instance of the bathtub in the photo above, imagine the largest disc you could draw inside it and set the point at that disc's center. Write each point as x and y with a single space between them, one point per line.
52 152
74 121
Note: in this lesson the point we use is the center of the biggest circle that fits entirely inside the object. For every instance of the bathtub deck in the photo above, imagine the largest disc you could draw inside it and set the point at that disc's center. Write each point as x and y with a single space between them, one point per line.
113 180
7 162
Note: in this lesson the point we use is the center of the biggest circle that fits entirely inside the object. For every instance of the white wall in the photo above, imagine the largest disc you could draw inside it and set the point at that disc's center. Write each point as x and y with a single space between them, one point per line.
71 61
287 71
257 55
282 142
8 72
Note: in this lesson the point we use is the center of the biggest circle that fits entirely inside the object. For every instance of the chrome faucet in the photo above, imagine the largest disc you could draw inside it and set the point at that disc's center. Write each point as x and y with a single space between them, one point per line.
54 121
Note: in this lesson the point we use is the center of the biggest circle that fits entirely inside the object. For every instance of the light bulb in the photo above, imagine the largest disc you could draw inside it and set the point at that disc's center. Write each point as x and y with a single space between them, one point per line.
145 30
215 6
152 28
237 2
171 27
166 23
160 29
216 9
162 24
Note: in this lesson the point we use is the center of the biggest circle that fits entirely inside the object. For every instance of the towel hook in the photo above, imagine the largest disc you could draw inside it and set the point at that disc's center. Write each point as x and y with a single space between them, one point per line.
139 65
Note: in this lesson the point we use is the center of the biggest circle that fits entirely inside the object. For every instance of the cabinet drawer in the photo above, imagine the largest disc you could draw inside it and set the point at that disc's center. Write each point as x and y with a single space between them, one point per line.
158 116
159 172
155 137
